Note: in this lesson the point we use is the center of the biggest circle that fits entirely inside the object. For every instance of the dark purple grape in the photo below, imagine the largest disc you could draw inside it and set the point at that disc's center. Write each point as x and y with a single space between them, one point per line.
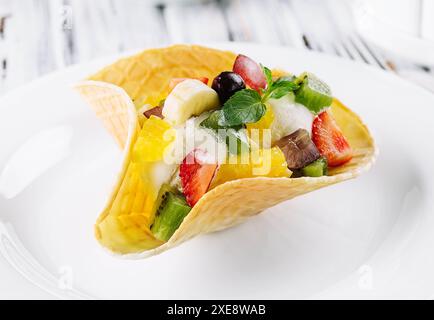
226 84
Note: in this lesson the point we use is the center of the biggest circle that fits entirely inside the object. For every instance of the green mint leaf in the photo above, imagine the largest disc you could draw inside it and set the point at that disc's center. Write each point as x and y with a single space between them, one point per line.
280 92
286 79
282 88
268 75
213 120
279 88
245 106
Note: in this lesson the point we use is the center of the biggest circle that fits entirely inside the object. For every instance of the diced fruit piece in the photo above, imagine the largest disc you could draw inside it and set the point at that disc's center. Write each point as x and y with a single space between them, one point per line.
330 140
313 93
196 173
156 135
170 214
298 148
226 84
265 122
286 77
190 97
261 162
288 117
156 111
164 189
250 71
140 113
317 168
261 127
175 81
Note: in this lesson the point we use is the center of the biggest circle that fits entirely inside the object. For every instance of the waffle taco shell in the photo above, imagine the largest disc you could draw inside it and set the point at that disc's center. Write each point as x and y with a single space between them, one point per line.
117 91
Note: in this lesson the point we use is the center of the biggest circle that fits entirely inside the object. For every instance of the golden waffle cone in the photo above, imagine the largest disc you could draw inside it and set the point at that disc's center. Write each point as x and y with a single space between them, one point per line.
145 79
127 232
113 106
146 76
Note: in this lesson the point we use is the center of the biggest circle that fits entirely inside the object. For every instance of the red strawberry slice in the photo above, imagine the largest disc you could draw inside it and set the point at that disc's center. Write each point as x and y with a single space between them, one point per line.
196 173
330 140
174 81
250 71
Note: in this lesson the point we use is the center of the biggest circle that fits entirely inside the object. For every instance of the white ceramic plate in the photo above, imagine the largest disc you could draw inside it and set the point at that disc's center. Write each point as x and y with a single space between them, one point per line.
367 238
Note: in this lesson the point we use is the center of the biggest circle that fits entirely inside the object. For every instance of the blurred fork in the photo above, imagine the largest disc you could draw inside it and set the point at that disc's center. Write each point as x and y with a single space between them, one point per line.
356 48
351 47
339 37
347 43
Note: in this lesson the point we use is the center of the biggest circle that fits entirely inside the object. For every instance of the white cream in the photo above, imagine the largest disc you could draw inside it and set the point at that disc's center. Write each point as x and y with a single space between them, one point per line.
188 137
191 136
289 116
162 173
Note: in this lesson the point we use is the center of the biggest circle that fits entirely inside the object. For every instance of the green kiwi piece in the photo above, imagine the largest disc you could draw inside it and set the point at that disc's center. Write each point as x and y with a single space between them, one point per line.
171 212
318 168
313 93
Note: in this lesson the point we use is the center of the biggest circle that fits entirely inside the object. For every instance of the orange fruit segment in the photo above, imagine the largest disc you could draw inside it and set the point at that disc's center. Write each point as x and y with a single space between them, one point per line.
257 131
156 135
259 163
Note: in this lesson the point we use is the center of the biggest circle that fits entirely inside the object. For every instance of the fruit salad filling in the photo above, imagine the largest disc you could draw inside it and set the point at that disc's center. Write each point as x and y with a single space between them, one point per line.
247 123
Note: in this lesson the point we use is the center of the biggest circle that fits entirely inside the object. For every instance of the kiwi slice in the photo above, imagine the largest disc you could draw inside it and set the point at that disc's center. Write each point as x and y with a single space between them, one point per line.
317 168
171 212
313 93
164 189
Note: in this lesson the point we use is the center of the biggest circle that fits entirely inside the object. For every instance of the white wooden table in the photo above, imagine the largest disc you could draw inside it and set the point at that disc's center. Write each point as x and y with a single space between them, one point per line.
40 36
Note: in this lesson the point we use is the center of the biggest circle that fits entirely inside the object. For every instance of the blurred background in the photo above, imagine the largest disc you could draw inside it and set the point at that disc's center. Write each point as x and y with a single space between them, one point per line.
40 36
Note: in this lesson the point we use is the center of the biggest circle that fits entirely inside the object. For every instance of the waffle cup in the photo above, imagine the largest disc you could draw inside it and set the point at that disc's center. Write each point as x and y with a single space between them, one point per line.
123 227
113 106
